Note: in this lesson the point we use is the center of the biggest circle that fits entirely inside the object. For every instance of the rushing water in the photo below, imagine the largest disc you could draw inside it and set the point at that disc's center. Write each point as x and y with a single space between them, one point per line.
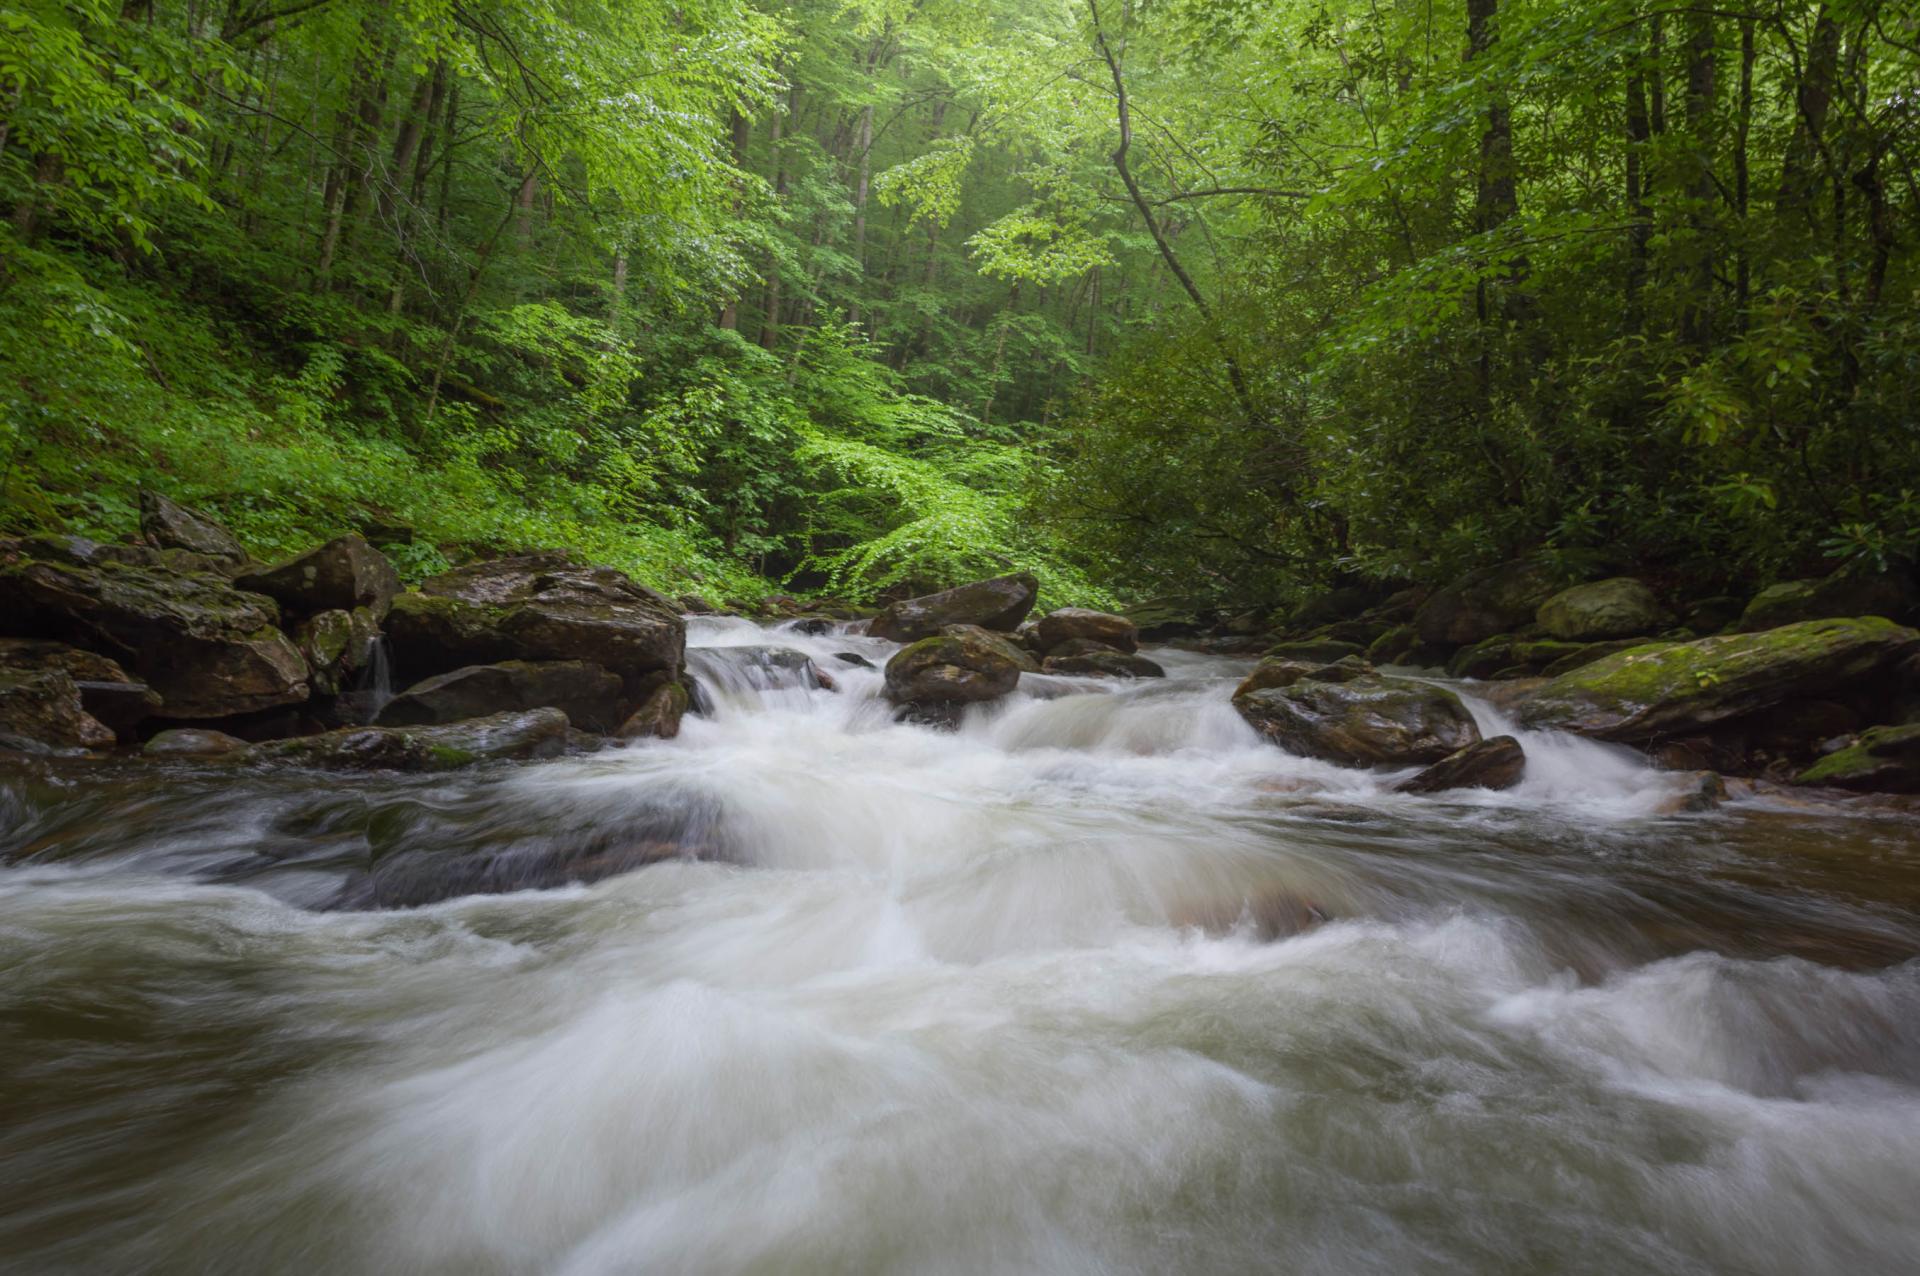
1098 984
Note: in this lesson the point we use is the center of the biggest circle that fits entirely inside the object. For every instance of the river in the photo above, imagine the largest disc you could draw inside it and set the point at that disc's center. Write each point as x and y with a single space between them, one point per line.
1099 983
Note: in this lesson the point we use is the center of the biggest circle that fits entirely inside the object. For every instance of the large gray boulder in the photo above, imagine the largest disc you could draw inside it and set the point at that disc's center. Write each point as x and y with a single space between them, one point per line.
1683 688
341 575
536 607
1366 721
208 649
1494 600
591 697
1001 604
1066 624
1620 607
167 524
535 733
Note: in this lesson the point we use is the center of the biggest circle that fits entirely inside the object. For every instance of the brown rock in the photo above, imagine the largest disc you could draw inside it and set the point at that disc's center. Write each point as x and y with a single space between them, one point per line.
1497 763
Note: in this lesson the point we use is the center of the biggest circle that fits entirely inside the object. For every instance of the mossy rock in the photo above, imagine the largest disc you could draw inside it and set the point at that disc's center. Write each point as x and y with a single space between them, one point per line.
1885 594
1483 659
1669 689
1393 645
1884 760
1362 722
537 733
1620 607
1494 600
1319 650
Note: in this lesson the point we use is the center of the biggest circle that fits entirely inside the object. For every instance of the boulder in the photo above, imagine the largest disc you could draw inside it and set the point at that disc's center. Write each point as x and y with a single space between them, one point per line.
193 742
1103 664
337 646
1277 671
1483 659
1320 650
1001 603
659 714
536 607
950 669
1620 607
1842 594
1883 760
1080 647
167 524
534 733
340 575
1497 763
106 692
1587 653
1066 624
999 642
1678 689
43 705
209 650
1362 722
1494 600
1393 646
590 696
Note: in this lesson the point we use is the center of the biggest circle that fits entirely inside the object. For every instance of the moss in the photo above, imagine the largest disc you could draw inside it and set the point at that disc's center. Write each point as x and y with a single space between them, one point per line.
443 757
1884 758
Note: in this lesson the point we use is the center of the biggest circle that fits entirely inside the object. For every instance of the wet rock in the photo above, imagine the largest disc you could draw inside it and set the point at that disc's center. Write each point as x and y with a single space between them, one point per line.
1001 643
1620 607
1320 650
167 524
695 605
1842 594
193 742
1703 791
951 669
1496 763
536 607
106 692
590 696
337 646
1000 604
1362 722
659 714
853 658
1279 671
535 733
1103 664
813 626
1680 689
341 575
1067 624
208 649
1079 647
1587 653
43 705
1883 760
1494 600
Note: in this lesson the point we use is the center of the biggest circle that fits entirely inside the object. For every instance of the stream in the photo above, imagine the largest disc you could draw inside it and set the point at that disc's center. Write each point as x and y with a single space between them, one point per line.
1098 983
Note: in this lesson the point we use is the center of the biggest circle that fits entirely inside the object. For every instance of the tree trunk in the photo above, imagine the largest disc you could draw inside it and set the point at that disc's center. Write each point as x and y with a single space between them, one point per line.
1696 324
742 132
770 315
1743 261
1639 132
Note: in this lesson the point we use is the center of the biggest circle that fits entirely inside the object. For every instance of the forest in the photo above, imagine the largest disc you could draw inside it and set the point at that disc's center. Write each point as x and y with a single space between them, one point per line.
1198 304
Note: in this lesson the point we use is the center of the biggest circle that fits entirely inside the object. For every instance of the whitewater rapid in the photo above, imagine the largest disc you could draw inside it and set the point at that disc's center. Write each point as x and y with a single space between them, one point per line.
1098 983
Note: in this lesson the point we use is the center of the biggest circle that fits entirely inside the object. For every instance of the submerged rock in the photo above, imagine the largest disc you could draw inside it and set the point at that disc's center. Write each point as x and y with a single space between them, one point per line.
536 607
209 650
1677 689
535 733
590 696
1362 722
955 668
167 524
340 575
1001 603
1883 760
1621 607
1496 763
1066 624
